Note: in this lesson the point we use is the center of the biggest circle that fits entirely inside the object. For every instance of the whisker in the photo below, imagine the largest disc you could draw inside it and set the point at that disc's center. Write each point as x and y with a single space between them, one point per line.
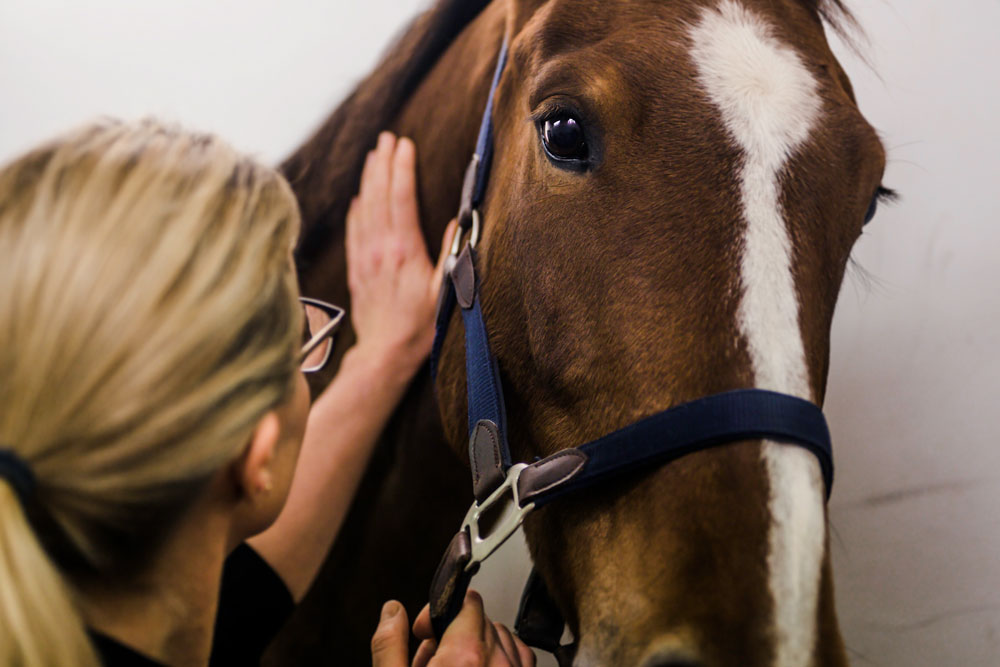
864 281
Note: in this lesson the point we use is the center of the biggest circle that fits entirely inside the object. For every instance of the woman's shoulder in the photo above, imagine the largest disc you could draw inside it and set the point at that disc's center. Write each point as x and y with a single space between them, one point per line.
253 605
113 653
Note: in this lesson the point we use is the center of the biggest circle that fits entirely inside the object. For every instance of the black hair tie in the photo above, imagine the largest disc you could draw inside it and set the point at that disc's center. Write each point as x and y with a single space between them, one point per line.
16 472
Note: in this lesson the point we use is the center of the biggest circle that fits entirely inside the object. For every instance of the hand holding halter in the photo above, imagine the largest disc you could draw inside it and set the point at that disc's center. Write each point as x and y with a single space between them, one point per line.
480 535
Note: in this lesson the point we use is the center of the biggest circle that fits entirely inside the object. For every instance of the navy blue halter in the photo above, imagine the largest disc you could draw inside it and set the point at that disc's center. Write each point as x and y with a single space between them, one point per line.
517 489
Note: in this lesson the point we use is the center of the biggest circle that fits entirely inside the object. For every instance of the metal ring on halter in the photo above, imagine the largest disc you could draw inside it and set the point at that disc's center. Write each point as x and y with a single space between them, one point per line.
456 243
487 538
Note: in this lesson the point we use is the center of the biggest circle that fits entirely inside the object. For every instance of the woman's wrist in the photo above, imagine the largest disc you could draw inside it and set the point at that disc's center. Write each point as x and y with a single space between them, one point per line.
389 366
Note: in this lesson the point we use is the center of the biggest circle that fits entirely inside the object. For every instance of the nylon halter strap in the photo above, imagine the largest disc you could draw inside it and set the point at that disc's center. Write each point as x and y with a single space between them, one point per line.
506 492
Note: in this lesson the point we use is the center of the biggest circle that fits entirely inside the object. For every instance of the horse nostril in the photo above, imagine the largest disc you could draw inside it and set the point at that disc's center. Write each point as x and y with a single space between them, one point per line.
671 661
671 651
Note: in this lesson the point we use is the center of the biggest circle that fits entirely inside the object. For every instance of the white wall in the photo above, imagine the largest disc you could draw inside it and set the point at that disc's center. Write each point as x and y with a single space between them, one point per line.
915 375
259 72
915 371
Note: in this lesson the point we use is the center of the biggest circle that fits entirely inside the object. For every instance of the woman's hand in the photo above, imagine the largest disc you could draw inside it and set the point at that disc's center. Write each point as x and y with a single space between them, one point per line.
470 640
393 285
394 290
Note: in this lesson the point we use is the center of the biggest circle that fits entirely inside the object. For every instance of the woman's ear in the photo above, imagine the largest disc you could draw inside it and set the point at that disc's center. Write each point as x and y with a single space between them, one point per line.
254 471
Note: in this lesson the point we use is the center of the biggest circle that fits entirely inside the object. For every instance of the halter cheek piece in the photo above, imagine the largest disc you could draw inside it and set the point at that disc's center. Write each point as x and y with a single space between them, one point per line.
508 491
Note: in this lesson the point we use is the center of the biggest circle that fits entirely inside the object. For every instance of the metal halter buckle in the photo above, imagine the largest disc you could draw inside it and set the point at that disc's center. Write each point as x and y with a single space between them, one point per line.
456 244
486 530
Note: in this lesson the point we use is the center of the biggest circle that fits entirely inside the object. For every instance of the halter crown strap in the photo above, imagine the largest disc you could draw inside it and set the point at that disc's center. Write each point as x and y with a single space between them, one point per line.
484 143
477 176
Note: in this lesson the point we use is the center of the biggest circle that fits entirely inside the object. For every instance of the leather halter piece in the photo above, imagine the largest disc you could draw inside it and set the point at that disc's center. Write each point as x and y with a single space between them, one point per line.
505 492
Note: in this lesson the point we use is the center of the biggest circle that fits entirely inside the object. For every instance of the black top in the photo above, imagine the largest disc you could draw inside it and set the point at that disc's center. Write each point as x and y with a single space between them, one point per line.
253 605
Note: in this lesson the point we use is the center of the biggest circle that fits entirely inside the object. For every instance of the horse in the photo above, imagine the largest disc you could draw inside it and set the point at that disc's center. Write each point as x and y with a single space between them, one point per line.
676 189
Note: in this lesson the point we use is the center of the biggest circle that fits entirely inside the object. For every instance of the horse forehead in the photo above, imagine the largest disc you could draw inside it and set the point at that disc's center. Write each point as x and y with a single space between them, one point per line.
645 51
560 26
631 34
767 96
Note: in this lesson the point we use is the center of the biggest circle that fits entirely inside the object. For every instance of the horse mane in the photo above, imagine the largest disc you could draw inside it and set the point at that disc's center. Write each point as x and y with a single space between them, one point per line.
325 171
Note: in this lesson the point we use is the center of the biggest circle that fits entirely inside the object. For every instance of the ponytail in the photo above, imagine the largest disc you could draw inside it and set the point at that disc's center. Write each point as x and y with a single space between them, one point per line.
148 319
39 623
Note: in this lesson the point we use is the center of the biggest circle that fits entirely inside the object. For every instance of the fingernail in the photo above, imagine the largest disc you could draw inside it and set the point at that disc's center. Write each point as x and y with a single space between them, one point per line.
390 609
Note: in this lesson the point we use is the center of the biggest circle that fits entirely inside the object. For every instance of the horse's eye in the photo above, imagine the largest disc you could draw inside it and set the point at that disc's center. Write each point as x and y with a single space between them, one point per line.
563 138
872 209
882 194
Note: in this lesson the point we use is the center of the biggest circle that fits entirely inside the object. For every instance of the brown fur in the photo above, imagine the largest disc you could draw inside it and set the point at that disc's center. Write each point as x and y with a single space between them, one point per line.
608 295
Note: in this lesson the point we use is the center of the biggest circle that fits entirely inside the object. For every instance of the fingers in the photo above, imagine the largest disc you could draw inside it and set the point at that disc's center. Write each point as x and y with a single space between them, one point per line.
470 639
375 183
388 200
353 243
403 193
506 641
424 653
390 643
526 655
470 622
446 241
361 208
392 280
422 628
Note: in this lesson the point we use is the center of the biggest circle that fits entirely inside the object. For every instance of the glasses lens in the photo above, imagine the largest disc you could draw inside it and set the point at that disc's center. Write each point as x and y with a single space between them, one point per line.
316 319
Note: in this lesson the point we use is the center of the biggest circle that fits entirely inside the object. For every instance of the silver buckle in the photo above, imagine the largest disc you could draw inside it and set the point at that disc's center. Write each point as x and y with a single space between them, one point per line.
456 243
500 527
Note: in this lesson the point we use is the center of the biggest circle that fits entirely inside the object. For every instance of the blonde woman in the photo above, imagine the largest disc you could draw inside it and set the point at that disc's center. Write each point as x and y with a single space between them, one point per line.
153 409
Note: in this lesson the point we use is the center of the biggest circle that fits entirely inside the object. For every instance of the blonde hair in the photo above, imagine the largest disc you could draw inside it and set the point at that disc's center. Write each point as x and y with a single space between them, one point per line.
148 320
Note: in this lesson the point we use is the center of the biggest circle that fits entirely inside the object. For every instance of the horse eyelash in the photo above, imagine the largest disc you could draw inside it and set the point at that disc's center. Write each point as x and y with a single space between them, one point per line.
886 195
550 112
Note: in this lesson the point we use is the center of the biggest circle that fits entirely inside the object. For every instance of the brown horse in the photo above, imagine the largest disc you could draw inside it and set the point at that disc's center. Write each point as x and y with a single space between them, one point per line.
676 190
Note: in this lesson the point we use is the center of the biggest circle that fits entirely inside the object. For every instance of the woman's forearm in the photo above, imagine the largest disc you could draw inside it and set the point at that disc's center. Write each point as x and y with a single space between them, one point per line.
393 293
343 426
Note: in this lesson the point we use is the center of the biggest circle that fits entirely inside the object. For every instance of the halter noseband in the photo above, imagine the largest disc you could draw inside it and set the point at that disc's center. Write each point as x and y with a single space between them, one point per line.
514 490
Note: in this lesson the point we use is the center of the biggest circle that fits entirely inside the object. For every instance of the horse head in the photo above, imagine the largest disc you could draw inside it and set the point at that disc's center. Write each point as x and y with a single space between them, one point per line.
675 192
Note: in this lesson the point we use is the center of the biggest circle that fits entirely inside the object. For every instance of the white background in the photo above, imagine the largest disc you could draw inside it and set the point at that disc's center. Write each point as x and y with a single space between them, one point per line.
914 391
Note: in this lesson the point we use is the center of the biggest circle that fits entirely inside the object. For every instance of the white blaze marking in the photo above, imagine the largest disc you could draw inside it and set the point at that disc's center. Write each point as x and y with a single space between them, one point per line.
769 104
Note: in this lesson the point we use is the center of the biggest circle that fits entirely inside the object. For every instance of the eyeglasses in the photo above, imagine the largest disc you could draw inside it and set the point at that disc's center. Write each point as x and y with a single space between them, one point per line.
321 323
